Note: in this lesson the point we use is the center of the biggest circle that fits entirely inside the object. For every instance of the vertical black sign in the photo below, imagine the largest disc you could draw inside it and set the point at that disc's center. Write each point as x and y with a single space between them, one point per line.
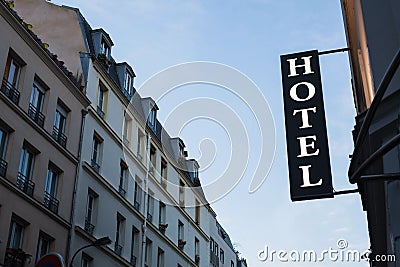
306 136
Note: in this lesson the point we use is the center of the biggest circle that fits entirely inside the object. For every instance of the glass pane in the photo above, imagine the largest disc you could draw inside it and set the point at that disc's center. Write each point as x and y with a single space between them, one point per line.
51 183
59 121
26 163
3 143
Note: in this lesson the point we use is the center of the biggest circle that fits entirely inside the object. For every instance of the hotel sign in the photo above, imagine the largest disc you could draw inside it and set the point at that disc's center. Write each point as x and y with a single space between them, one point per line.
306 136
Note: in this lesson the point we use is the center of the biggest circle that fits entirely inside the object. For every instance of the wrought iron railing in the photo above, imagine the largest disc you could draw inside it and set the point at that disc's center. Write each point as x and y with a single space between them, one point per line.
59 137
50 202
100 112
121 191
25 184
133 260
15 258
95 166
36 115
149 217
136 205
118 249
89 227
3 167
10 91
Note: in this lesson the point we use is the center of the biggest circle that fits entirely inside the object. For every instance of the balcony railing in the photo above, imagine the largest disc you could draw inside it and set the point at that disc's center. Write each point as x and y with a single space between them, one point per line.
149 217
89 228
36 115
133 260
95 166
181 243
121 191
118 249
15 258
50 202
10 91
163 227
25 184
136 205
100 112
59 137
214 260
3 168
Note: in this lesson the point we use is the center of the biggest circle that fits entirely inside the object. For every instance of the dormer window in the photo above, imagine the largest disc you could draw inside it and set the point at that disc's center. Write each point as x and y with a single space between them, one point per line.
105 49
153 116
182 152
128 83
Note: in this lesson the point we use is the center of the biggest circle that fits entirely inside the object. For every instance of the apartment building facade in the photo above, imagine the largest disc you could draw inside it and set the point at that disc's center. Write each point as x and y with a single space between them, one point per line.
372 31
40 127
135 184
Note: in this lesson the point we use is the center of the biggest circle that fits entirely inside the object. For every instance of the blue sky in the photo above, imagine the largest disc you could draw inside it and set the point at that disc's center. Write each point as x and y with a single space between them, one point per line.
250 36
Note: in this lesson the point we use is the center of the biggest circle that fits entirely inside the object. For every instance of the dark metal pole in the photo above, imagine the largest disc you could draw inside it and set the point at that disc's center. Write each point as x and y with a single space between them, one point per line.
334 51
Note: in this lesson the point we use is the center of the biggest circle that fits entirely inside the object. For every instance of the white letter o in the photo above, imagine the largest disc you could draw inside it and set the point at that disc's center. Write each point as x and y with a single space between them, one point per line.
293 91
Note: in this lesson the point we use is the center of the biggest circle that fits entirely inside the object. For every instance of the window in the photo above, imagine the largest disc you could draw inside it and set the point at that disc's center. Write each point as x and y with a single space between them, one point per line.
3 149
196 251
96 153
91 211
60 120
163 173
86 260
211 244
148 252
50 191
43 246
126 135
25 170
196 246
16 234
101 100
181 150
216 249
134 245
123 172
140 145
181 230
13 71
152 158
150 207
119 235
12 76
160 258
105 49
161 213
181 235
137 196
152 116
181 194
222 256
232 264
36 103
128 83
197 212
